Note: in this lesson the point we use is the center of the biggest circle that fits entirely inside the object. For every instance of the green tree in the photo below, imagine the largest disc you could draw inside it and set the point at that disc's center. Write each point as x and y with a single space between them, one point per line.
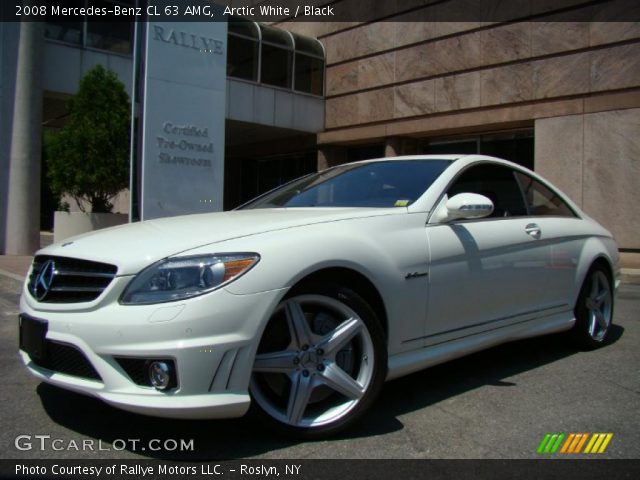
88 158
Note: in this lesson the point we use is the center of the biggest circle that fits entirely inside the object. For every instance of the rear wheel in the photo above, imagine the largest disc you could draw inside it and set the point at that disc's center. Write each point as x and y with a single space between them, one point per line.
320 363
594 309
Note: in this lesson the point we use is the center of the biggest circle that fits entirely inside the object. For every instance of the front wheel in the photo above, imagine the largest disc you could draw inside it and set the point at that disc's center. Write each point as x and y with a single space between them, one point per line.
320 363
594 310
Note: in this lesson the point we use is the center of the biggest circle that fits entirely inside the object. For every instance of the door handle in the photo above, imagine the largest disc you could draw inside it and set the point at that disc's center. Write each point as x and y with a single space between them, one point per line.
533 229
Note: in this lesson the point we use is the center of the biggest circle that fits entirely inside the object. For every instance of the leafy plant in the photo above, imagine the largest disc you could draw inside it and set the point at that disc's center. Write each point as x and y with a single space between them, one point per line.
88 158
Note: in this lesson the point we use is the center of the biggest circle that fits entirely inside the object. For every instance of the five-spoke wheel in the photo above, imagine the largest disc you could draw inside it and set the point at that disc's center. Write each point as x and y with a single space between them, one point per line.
594 309
321 359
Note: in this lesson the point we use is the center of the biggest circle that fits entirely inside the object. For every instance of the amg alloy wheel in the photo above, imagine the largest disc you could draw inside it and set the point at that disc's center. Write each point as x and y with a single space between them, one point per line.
594 309
320 362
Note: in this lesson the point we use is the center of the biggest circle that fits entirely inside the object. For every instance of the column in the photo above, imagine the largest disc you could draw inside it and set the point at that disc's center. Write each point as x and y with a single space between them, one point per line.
392 147
331 155
23 205
396 146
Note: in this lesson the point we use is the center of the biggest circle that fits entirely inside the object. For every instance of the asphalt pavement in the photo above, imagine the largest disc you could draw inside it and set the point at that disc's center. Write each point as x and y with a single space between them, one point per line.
499 403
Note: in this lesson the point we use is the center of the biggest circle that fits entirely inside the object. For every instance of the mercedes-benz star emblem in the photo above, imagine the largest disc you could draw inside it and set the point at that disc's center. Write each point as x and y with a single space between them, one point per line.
43 282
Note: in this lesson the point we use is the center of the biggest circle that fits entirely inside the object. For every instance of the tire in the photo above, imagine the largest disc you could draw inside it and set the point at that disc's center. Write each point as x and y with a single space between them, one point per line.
321 362
594 310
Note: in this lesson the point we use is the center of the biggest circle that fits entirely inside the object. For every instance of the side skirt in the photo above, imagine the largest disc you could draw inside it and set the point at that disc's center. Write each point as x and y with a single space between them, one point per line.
415 360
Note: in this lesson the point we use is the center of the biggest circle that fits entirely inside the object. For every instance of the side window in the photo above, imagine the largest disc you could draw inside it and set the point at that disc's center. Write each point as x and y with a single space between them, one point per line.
494 182
541 200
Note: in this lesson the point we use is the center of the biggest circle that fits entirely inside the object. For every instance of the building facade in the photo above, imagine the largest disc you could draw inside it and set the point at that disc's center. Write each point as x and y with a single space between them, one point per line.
274 108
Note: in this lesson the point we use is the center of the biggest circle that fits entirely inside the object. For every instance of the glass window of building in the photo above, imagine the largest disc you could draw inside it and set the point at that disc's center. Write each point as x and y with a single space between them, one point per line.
365 152
516 146
63 30
277 57
243 49
309 66
114 36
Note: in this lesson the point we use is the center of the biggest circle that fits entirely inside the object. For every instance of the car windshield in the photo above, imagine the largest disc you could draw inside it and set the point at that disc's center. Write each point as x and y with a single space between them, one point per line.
395 183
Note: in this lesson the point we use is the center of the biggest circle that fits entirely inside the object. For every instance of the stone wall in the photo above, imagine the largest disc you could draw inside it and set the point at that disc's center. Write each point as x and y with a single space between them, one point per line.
595 158
411 68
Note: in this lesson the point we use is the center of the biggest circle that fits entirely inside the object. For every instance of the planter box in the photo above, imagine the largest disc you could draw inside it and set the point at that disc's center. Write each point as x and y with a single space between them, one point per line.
68 224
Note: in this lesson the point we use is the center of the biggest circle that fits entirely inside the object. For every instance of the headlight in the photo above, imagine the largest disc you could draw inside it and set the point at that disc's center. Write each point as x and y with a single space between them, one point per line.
185 277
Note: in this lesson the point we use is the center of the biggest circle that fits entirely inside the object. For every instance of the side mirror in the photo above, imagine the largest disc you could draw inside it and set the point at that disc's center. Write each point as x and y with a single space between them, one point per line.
467 206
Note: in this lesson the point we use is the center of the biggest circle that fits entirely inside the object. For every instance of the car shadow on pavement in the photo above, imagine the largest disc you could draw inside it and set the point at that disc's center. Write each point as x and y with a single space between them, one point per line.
488 367
213 439
246 437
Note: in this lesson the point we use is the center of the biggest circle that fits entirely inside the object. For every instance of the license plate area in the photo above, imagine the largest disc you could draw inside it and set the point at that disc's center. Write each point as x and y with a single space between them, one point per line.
32 337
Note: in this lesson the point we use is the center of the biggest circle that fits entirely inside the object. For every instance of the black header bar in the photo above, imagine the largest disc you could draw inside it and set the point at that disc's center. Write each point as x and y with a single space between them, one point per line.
359 11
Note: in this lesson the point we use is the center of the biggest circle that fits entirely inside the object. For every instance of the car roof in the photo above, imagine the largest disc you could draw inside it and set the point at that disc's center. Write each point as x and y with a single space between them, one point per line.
414 157
465 157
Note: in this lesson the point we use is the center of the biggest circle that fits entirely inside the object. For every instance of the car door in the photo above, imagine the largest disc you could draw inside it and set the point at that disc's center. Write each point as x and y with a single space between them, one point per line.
561 230
486 273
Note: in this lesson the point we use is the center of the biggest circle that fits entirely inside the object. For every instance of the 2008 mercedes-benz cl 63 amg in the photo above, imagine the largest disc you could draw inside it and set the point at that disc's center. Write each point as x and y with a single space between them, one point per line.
306 299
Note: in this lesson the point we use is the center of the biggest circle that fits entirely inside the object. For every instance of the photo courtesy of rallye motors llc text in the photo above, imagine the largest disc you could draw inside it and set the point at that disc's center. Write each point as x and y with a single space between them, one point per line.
141 471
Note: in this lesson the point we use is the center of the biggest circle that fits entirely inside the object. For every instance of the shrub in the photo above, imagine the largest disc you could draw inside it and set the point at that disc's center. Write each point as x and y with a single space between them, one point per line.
88 158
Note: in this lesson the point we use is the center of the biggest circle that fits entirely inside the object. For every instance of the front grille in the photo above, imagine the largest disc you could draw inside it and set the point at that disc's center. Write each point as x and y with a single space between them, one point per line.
63 358
68 280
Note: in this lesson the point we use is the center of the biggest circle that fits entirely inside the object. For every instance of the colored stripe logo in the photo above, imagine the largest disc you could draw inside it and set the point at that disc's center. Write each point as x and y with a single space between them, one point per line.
573 443
598 443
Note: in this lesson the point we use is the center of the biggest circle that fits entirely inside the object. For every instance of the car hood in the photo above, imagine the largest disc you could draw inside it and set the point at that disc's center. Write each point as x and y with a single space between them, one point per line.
134 246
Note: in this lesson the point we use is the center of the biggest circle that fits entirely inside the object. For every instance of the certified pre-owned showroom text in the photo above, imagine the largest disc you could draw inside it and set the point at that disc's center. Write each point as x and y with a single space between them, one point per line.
45 442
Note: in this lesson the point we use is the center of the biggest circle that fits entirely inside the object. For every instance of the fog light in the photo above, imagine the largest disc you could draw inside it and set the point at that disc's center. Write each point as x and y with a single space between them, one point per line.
160 375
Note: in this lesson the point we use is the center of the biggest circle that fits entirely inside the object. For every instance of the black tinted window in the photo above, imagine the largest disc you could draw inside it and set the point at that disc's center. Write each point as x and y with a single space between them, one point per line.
375 184
494 182
242 57
276 66
541 200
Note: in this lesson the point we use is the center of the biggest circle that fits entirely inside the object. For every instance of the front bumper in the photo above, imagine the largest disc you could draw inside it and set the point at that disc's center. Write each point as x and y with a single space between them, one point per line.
212 339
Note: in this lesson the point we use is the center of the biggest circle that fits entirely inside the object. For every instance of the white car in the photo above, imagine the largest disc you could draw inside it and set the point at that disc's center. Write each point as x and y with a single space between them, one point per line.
306 299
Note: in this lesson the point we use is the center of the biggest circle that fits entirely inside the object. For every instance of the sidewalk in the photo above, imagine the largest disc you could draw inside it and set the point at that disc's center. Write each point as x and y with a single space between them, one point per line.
15 266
